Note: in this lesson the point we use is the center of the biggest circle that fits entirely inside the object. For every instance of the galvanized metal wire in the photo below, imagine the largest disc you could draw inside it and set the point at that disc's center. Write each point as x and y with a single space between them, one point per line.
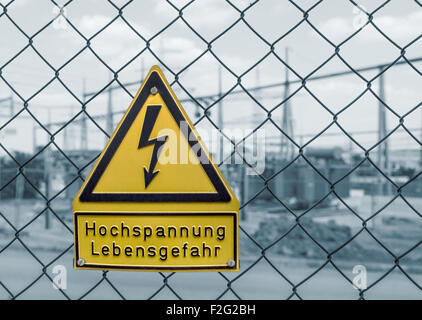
207 105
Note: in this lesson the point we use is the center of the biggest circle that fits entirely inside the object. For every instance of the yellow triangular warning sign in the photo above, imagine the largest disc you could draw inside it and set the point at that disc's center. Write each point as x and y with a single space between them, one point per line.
155 200
155 155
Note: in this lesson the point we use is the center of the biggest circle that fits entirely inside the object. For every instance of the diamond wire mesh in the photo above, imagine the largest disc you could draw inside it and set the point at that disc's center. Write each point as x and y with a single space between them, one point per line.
206 106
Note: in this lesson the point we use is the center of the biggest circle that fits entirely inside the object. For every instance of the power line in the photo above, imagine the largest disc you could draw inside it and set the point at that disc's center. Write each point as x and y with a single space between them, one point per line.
284 83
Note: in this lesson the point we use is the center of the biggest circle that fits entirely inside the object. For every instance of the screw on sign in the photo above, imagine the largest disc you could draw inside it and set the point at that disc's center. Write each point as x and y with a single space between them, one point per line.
142 208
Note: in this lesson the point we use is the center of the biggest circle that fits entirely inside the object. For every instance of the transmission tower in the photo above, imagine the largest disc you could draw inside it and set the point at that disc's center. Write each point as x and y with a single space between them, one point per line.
383 150
84 129
286 147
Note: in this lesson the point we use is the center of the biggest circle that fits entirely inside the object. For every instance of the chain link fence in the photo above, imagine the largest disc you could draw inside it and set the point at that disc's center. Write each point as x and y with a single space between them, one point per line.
25 172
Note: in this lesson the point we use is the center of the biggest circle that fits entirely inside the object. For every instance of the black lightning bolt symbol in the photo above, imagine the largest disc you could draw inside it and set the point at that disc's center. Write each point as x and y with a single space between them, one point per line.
149 122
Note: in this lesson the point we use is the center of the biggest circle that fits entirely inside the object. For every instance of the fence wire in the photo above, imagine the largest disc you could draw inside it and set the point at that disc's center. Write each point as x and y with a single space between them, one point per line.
206 106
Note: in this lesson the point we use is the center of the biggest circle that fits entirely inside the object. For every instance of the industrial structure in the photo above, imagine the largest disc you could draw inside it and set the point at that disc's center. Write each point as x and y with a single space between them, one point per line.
298 184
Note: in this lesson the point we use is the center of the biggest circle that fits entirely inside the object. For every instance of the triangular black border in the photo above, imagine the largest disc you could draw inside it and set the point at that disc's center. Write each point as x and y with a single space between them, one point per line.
88 195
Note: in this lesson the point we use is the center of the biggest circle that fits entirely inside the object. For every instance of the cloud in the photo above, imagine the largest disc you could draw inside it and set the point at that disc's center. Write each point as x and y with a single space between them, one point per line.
17 3
116 38
179 49
90 24
400 29
120 43
207 14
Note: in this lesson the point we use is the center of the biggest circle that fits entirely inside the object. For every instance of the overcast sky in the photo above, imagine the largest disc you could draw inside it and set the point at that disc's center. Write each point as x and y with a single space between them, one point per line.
239 49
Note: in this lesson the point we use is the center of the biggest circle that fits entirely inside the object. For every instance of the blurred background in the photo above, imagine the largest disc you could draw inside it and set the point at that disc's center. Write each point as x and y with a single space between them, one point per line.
333 85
